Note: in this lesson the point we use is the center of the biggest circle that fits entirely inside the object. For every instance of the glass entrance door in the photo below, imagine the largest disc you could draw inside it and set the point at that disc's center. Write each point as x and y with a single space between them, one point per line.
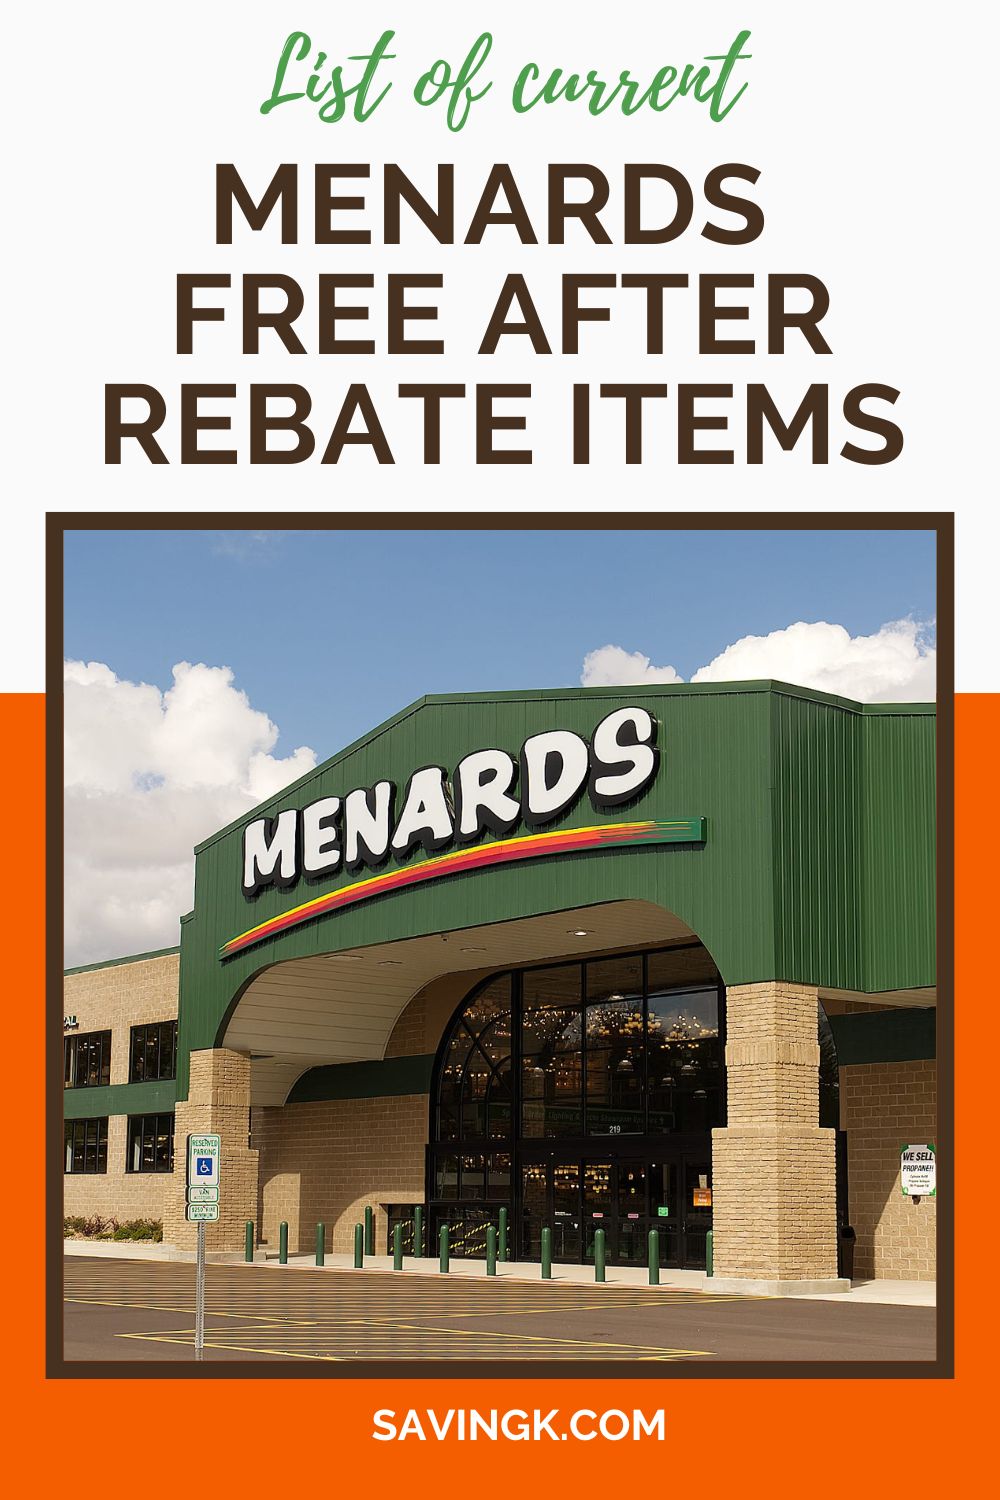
626 1197
597 1204
567 1240
664 1209
534 1209
632 1213
696 1210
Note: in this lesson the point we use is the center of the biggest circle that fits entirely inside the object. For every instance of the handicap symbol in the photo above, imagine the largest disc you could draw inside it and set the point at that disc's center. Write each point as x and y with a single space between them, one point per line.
203 1166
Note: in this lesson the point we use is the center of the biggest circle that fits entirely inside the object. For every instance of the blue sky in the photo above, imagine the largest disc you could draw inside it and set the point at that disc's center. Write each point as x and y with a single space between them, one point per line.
332 632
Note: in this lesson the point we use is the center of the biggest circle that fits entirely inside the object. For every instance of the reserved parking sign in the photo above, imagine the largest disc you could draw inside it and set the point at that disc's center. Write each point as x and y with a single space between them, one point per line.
203 1160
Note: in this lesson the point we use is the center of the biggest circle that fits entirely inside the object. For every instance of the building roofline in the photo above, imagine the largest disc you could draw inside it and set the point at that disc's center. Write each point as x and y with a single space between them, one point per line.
112 963
645 690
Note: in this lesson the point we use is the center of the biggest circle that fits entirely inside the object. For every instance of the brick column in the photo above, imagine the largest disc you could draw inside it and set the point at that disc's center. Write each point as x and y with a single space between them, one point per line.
218 1102
773 1168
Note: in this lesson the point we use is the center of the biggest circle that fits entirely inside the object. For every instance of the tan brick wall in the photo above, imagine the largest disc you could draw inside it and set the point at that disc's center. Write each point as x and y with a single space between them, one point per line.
218 1102
884 1106
773 1168
324 1161
121 997
116 999
116 1194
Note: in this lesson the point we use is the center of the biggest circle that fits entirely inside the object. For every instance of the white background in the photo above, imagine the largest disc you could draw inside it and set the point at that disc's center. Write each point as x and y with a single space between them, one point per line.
869 124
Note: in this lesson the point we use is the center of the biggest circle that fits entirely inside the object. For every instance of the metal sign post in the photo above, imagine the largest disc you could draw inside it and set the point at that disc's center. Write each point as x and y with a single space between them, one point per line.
199 1294
204 1162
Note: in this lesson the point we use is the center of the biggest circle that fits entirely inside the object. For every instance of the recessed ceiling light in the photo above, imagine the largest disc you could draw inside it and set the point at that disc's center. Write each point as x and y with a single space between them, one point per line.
390 963
356 956
472 950
579 931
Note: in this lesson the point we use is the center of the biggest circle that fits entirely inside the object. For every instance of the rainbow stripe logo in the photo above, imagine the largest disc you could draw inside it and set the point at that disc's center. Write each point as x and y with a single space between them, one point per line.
461 861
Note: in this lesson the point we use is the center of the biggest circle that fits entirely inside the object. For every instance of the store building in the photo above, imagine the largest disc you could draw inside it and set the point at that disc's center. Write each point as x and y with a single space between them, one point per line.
630 959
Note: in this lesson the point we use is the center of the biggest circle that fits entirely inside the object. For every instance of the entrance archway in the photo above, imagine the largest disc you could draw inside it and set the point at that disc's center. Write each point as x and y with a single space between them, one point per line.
581 1095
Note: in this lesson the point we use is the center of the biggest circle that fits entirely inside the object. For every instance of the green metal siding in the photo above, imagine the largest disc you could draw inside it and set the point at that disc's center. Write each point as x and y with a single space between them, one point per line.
782 887
365 1080
898 850
814 768
156 1098
898 1035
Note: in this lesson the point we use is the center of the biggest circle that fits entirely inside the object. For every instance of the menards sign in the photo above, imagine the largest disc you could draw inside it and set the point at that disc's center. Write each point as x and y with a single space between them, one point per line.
474 815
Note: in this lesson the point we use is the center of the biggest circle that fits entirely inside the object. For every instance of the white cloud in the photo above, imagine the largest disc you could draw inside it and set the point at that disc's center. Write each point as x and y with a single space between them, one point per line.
610 665
149 774
898 664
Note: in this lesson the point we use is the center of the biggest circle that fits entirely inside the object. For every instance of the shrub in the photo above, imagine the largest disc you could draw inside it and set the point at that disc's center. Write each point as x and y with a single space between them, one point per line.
139 1229
97 1228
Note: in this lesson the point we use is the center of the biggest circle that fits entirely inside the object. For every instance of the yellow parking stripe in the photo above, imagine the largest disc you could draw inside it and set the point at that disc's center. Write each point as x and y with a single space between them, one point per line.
352 1316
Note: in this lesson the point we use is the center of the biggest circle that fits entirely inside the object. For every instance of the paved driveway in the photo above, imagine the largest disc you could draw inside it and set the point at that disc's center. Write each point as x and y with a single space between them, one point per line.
144 1310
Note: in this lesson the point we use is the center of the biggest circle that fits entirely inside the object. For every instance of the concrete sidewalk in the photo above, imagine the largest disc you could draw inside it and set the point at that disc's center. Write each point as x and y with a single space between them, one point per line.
120 1249
894 1293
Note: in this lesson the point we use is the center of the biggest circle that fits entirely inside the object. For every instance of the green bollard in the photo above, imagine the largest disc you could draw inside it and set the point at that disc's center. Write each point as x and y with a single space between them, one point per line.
491 1250
503 1235
546 1254
654 1257
283 1243
397 1247
359 1247
248 1242
443 1247
599 1255
369 1230
709 1254
320 1244
418 1231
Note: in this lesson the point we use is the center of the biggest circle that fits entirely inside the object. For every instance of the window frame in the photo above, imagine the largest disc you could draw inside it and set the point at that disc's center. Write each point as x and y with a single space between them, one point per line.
73 1044
81 1127
139 1036
458 1024
148 1133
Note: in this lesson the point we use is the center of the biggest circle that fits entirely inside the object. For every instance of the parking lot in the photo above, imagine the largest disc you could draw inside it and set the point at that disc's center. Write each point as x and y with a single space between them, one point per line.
124 1310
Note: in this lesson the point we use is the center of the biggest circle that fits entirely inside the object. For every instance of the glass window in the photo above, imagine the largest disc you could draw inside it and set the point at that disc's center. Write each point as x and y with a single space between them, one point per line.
466 1229
615 1062
86 1146
498 1181
552 1052
679 968
401 1214
446 1183
153 1052
597 1189
87 1060
150 1143
684 1060
473 1182
627 1045
474 1078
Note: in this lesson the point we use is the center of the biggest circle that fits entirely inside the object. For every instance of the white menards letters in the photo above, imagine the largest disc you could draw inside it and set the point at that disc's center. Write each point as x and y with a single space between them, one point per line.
364 828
